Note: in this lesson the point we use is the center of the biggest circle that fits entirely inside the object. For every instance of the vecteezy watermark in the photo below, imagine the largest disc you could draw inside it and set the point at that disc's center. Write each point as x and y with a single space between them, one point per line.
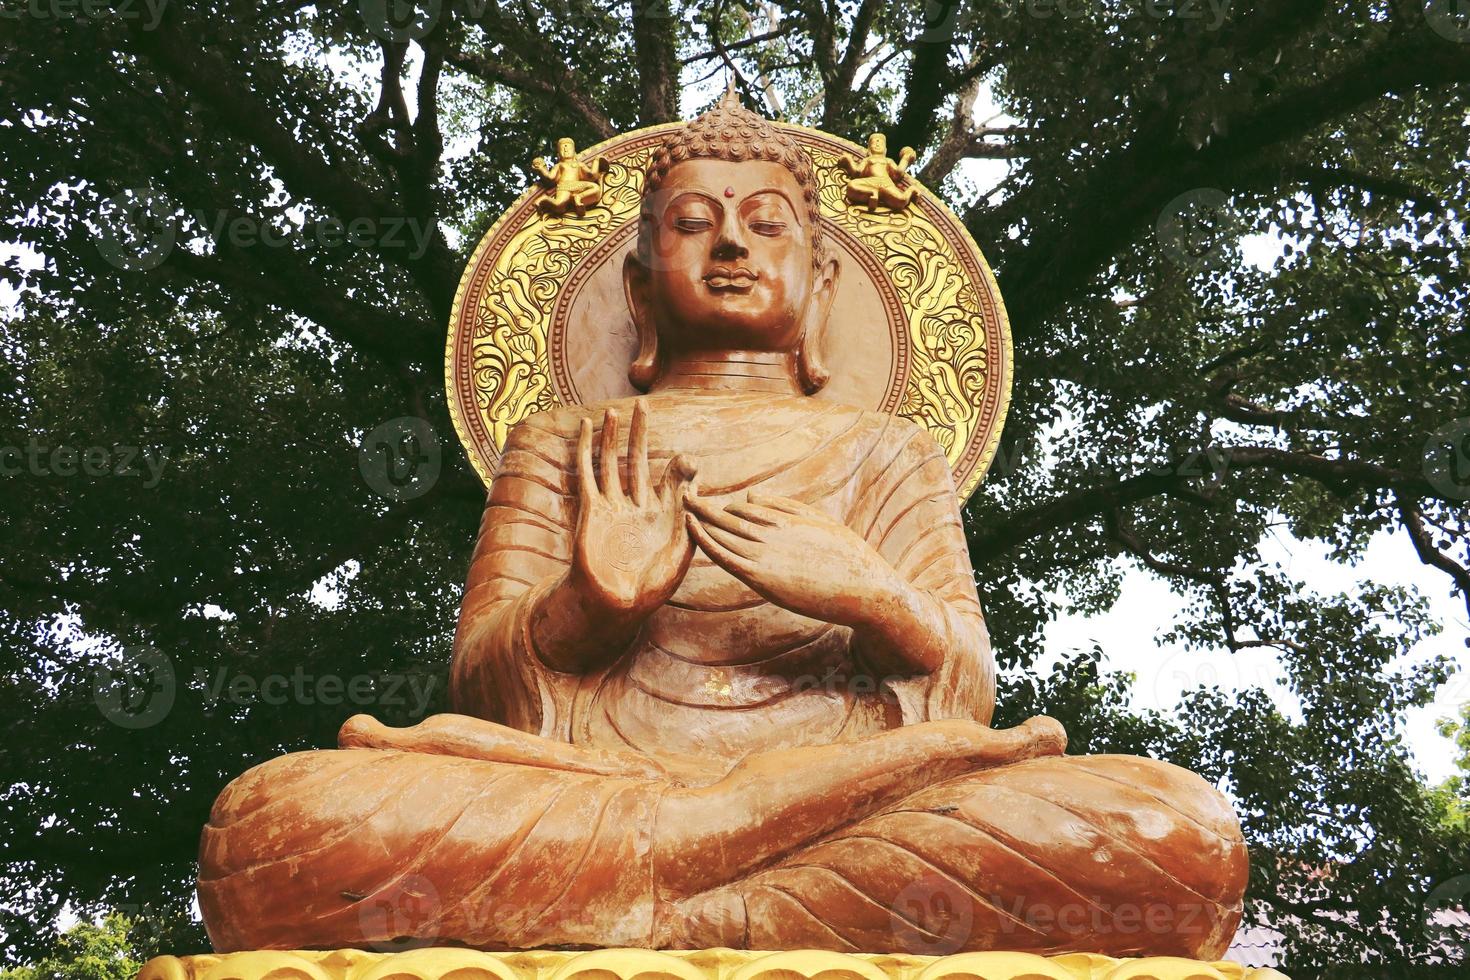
1447 460
137 689
140 227
1212 13
932 916
137 229
1199 230
39 459
1449 19
1442 919
935 915
401 21
1184 671
401 458
405 20
301 687
401 916
150 12
1208 462
943 19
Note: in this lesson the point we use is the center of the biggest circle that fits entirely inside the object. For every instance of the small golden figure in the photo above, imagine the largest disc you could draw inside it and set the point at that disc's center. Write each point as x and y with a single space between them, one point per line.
570 185
878 180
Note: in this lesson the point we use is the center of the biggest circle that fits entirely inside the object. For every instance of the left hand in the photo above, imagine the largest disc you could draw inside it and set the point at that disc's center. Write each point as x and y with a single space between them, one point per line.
796 557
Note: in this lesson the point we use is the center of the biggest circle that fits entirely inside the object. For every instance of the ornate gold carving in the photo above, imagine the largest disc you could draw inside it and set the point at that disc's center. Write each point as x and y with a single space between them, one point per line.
442 963
571 185
875 180
958 351
949 371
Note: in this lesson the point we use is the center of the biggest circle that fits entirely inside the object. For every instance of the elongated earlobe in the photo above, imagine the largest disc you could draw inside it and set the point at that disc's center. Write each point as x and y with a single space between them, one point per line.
644 370
811 373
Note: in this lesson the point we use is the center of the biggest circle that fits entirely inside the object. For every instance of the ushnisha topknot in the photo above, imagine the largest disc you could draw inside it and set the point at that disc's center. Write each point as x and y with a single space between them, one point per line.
733 133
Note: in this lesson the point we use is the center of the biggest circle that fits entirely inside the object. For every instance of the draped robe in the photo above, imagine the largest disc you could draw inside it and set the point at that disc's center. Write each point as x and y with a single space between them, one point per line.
1106 854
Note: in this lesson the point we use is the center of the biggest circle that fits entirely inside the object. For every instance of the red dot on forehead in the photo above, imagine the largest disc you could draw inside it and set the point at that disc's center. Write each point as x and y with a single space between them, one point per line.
729 192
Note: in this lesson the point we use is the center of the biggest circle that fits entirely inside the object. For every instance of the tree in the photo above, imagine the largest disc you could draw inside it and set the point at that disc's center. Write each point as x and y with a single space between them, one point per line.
86 952
1188 402
1454 793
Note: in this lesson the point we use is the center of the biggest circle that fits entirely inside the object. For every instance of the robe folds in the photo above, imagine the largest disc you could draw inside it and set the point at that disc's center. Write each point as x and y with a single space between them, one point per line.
359 846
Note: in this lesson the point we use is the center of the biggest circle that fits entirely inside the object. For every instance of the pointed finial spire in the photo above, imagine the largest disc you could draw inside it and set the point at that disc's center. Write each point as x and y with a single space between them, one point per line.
731 98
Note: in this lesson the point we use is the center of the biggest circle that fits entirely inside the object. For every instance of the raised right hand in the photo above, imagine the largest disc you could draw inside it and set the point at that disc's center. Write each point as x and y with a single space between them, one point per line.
632 547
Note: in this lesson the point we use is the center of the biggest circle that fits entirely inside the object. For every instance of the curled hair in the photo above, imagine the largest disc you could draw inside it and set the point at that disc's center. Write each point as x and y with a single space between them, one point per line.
733 133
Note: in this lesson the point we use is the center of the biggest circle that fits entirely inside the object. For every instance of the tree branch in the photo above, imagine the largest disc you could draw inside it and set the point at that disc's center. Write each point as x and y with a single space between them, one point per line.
1413 519
1069 247
1121 530
1014 529
654 51
572 98
924 86
737 45
212 82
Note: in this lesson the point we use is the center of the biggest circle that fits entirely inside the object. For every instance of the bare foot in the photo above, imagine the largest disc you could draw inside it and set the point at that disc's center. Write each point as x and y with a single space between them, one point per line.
1034 738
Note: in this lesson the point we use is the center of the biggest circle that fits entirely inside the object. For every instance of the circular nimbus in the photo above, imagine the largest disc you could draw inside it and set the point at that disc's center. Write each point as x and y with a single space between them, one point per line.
540 318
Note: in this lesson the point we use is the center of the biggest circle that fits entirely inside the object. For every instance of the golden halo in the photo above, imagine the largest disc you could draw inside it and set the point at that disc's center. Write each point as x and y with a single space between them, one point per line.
539 319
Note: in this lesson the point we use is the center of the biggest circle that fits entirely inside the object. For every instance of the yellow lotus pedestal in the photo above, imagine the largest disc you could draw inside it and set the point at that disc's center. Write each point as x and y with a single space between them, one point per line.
443 963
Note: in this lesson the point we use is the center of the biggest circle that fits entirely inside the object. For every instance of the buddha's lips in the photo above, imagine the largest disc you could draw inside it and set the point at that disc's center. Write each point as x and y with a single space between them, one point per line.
734 279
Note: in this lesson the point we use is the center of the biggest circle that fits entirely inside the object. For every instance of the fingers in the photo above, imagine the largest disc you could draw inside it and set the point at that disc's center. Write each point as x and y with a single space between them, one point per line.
586 485
680 476
711 515
612 487
638 453
781 503
756 514
726 557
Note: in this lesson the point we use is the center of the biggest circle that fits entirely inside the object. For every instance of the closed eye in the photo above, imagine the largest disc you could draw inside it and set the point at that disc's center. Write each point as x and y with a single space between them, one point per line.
768 228
693 224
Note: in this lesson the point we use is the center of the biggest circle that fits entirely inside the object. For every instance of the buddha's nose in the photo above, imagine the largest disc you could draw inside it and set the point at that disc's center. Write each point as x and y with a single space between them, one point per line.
731 241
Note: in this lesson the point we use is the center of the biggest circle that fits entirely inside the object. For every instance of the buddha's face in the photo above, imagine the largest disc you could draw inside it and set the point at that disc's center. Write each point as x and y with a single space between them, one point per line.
878 145
728 258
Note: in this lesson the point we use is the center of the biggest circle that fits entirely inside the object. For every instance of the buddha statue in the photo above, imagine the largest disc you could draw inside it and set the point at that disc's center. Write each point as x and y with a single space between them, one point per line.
721 676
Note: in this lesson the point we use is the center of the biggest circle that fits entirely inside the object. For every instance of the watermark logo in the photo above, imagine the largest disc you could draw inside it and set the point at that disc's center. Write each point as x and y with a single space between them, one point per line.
942 21
932 916
1450 19
1184 672
137 230
399 917
400 20
1443 917
138 690
1199 230
401 459
1447 460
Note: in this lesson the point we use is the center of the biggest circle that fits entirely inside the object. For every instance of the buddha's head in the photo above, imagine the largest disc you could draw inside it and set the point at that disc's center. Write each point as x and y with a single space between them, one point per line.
730 253
565 149
878 145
